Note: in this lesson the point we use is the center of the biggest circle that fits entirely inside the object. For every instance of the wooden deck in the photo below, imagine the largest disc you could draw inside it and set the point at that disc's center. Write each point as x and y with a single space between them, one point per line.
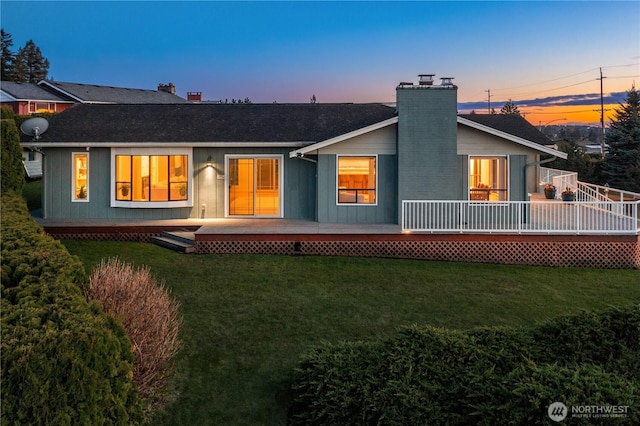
225 226
289 237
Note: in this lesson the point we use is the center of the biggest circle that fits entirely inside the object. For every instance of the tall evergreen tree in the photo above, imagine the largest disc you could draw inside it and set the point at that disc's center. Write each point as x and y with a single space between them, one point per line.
30 65
6 66
509 107
621 164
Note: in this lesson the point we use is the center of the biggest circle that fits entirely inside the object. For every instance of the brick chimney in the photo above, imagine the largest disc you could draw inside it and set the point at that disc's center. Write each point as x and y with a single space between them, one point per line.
194 96
169 88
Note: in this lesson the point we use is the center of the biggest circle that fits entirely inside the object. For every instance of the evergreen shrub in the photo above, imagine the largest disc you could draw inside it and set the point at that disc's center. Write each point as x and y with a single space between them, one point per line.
11 167
482 376
64 361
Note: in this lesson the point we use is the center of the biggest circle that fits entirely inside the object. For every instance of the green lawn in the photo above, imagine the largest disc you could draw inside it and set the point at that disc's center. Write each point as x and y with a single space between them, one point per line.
248 318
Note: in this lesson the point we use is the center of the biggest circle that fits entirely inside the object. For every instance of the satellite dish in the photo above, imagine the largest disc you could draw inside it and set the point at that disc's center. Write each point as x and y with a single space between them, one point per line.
34 127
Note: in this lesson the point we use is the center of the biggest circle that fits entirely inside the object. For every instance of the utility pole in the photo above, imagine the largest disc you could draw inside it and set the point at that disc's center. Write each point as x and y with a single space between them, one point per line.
602 112
489 99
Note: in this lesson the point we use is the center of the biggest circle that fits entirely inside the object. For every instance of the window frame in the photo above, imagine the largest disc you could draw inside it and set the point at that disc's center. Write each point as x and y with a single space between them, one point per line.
231 177
152 152
33 107
74 177
506 191
375 189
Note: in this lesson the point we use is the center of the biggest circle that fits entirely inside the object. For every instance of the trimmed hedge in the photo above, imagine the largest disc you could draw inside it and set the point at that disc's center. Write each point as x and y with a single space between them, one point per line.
483 376
64 361
12 169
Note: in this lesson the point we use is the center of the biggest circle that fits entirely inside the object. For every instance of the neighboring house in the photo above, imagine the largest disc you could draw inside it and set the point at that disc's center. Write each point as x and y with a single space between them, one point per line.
331 163
54 96
26 99
95 94
30 98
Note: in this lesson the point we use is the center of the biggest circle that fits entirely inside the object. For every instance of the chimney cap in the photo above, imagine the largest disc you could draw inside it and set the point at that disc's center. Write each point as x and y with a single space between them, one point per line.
447 81
426 79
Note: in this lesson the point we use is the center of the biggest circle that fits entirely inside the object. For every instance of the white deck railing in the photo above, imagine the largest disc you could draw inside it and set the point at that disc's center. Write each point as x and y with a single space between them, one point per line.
585 191
535 217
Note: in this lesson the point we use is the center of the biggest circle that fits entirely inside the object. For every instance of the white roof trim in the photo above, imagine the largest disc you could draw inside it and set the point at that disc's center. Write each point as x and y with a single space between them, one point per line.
7 97
59 90
353 134
251 144
512 138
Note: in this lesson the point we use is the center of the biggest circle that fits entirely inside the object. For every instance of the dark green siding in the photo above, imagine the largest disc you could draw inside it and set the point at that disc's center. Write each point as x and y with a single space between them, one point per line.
299 182
57 190
384 212
208 187
517 182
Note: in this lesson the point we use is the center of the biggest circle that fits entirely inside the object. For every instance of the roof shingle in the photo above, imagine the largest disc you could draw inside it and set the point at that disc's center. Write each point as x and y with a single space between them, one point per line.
90 93
29 91
184 123
514 124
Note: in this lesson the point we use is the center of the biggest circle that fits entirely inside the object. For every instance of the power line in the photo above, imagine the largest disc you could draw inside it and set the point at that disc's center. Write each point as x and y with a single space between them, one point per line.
551 90
566 76
547 81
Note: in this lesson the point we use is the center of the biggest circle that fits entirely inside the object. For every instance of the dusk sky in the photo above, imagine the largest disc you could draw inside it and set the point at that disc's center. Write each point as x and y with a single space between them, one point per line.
535 53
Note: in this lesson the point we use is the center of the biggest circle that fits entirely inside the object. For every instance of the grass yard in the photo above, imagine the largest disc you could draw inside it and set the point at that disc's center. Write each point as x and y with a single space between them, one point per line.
248 318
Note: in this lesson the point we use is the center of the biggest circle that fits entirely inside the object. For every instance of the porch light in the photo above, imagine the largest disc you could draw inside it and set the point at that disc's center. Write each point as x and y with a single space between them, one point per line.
209 164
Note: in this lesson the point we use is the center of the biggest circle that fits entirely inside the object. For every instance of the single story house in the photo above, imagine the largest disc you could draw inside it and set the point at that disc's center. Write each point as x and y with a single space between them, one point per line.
330 163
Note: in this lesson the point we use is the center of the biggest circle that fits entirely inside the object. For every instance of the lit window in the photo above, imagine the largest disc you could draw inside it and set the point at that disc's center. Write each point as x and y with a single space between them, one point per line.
488 179
35 107
357 180
80 179
151 178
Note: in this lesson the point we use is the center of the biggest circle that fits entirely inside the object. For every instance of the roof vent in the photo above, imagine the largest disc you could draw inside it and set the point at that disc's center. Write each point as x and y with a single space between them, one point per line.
426 79
447 81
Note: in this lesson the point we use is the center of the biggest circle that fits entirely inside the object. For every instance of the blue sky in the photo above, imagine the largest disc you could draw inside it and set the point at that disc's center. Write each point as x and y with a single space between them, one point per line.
339 51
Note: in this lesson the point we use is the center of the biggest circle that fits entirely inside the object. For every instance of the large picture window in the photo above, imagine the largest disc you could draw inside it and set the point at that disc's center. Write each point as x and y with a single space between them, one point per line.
152 178
80 178
357 180
488 179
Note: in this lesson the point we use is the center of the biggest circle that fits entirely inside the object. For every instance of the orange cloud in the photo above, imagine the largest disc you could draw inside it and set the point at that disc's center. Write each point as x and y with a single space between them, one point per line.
587 114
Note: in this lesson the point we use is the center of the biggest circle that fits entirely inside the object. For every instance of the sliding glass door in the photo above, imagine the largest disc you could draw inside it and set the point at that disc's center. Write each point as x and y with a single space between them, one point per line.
254 186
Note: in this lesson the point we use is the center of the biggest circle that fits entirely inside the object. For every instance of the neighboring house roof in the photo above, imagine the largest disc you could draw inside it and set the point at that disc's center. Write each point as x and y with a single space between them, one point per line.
13 91
90 93
292 125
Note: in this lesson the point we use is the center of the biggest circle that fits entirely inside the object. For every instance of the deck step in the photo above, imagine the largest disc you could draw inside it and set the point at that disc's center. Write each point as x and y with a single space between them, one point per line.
183 242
